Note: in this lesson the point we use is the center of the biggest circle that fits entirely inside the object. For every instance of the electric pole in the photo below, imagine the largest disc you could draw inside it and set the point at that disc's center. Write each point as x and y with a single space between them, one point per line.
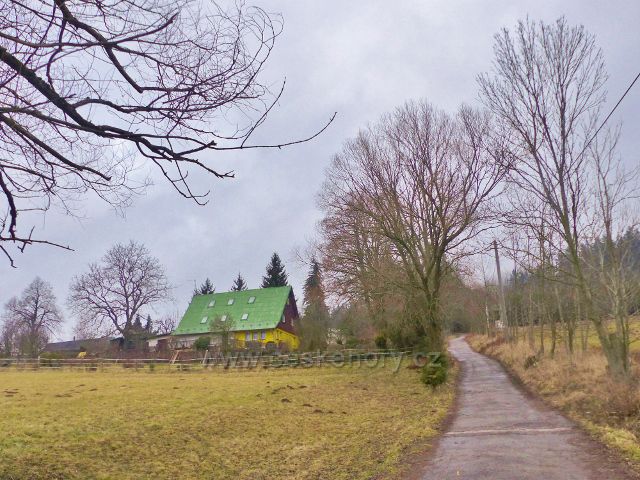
503 303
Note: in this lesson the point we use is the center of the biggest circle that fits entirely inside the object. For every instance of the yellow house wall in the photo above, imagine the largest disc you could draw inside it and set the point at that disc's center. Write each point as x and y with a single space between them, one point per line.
274 335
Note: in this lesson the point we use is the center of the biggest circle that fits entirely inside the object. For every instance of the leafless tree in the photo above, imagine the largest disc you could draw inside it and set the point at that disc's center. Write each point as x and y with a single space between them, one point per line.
424 181
90 89
166 323
223 327
8 337
614 205
33 317
112 293
547 90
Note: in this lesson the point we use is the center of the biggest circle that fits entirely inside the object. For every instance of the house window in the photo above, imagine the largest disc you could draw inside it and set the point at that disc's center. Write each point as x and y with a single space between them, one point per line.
244 316
204 319
212 303
263 335
223 318
247 336
255 335
230 301
252 300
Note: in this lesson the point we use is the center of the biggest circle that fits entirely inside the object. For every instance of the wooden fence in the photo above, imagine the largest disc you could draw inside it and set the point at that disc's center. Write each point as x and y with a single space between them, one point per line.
245 361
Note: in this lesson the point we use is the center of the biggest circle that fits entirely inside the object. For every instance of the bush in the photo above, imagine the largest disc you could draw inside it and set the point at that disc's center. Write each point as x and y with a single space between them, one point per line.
530 361
435 372
381 342
352 342
202 343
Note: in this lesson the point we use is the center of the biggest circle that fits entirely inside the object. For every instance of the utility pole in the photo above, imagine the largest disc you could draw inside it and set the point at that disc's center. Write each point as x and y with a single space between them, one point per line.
490 332
503 303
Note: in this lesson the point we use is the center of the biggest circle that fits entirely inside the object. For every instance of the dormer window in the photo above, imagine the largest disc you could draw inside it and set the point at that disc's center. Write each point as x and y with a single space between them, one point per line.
223 318
284 320
244 316
252 300
212 303
204 319
230 301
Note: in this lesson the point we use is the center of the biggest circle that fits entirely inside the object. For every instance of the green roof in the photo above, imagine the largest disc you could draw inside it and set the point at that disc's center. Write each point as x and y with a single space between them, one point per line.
264 313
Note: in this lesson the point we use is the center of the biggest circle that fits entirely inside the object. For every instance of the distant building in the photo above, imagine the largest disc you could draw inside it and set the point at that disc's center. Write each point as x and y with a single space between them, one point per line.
71 348
159 343
259 317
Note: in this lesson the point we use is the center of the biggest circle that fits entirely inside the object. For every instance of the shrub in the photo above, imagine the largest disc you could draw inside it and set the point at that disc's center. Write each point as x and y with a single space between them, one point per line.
530 361
435 372
202 343
381 342
352 342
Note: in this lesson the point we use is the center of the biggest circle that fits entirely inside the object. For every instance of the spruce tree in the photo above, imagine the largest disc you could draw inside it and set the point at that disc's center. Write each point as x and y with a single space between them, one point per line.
239 284
276 275
205 289
313 290
314 324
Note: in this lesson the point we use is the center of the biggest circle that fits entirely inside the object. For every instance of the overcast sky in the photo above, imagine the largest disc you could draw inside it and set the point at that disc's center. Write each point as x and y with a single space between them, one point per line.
359 58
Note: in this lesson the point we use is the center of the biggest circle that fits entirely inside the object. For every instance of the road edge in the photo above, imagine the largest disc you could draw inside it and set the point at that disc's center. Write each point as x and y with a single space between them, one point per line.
415 463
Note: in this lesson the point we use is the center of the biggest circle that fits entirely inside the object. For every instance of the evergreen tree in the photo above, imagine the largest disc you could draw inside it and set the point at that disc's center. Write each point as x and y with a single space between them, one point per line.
313 290
239 284
205 289
148 326
314 325
137 323
276 275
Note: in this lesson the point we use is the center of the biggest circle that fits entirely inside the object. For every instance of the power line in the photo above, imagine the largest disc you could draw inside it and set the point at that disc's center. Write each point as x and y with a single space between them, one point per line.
610 113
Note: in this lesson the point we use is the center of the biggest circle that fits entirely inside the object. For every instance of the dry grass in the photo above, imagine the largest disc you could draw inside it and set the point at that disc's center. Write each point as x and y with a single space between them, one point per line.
583 329
579 386
322 422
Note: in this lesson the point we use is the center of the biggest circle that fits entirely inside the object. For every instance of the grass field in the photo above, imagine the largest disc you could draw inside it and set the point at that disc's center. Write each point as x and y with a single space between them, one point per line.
314 423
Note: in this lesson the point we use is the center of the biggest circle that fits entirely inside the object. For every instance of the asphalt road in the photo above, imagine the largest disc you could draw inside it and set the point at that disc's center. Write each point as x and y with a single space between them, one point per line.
499 432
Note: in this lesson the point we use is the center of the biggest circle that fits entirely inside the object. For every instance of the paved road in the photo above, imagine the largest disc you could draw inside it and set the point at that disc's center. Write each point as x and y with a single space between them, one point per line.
498 432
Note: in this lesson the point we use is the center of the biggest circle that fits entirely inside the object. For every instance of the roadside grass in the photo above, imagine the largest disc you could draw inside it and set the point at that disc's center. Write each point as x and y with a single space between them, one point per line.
314 423
580 387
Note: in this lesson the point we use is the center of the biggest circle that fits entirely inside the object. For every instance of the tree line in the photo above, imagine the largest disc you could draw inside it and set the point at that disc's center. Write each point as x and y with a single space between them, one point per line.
411 201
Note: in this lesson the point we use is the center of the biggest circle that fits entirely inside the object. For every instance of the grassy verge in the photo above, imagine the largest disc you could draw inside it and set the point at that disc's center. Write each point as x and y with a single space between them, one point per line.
578 386
322 422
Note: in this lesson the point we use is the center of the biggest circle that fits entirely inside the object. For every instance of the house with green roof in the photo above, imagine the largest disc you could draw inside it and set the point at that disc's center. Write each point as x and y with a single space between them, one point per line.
262 316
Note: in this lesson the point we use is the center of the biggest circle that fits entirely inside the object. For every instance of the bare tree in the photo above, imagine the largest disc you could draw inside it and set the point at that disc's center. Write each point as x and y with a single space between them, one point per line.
112 293
424 181
613 278
33 317
547 89
89 88
8 337
223 327
166 324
